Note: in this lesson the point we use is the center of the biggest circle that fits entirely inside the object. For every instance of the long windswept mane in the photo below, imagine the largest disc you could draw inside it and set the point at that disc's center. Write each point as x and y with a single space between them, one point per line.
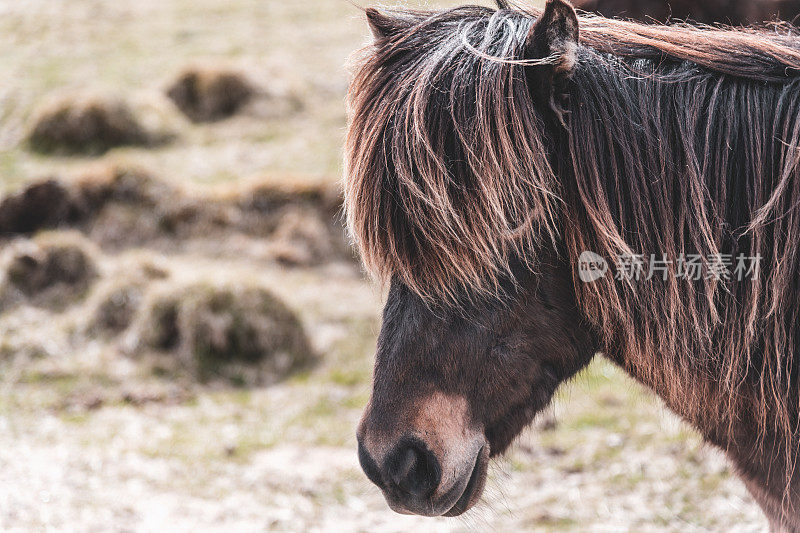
448 171
679 140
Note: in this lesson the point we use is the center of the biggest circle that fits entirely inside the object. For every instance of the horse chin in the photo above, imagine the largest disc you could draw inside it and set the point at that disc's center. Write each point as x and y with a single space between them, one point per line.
502 435
474 488
516 418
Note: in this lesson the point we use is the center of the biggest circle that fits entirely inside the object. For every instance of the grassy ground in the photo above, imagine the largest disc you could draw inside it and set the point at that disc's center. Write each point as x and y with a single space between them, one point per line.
295 50
90 439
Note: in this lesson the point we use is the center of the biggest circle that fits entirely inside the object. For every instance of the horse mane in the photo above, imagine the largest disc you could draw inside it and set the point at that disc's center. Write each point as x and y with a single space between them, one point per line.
680 140
734 12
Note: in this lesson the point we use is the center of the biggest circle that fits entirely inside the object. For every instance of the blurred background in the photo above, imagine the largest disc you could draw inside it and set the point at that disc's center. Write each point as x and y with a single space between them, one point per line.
186 339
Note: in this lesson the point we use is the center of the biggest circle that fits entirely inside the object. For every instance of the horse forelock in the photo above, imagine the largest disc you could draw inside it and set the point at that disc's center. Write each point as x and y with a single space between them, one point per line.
448 171
448 177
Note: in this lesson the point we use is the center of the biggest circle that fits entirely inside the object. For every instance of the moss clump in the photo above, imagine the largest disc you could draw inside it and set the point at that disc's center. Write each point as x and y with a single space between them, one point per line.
85 125
44 204
53 271
116 309
303 239
241 334
206 95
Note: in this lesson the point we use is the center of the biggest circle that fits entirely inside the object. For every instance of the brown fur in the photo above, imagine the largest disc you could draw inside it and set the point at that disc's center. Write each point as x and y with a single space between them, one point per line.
674 140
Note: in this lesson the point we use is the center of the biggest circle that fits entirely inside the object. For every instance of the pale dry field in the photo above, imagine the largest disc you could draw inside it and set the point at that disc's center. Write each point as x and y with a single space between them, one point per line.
93 438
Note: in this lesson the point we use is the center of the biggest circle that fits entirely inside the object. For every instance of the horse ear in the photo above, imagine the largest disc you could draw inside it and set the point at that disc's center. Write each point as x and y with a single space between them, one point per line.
553 36
382 25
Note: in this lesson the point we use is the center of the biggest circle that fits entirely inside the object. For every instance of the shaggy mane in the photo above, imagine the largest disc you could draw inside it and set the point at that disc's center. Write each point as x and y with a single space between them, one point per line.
679 140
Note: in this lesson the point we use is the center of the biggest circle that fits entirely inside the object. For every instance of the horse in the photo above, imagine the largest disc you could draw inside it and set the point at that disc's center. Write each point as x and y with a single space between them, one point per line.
733 12
490 152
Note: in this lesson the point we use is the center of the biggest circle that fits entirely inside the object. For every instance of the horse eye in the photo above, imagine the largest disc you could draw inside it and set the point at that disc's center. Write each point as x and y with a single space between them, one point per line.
499 349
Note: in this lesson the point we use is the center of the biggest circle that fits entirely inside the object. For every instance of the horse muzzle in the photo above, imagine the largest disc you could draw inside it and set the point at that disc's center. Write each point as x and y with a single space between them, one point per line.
424 469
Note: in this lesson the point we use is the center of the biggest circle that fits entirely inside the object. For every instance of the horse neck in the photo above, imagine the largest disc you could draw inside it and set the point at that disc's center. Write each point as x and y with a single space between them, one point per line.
683 162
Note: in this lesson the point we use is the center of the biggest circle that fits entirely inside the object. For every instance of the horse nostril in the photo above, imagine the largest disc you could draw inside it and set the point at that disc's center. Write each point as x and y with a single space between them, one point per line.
413 469
368 465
